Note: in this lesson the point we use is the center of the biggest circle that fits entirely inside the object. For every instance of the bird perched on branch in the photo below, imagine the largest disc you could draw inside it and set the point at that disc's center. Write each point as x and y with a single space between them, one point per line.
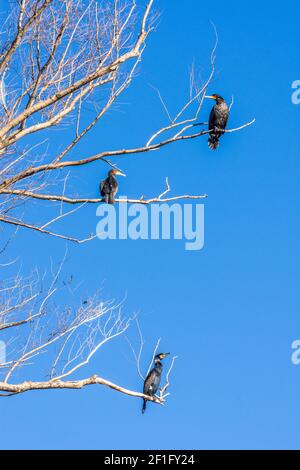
109 187
217 120
152 380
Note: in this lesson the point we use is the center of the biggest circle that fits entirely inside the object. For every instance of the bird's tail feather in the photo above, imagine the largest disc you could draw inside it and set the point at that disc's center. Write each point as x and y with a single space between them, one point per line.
144 406
213 141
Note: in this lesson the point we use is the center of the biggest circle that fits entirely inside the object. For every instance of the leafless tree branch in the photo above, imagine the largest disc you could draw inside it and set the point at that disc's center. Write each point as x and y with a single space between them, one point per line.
64 65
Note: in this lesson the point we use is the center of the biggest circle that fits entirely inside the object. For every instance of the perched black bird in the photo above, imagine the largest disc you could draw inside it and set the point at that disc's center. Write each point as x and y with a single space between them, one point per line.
217 120
109 186
152 380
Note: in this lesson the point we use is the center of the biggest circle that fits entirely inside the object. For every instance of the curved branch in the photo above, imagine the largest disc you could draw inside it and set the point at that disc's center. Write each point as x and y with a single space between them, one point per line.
114 153
19 223
68 200
14 389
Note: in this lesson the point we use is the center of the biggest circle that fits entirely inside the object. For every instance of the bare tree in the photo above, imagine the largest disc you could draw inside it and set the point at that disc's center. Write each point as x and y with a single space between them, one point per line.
56 58
62 339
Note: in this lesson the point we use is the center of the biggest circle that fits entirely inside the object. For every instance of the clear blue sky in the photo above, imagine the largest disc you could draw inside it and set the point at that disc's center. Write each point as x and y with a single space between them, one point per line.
231 311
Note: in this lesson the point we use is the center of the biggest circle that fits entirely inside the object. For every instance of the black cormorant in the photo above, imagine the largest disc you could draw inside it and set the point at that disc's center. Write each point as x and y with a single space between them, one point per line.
217 120
109 186
152 380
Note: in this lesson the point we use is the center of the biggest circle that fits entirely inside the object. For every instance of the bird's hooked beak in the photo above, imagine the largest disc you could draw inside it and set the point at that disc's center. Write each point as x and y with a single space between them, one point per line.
163 355
119 173
211 97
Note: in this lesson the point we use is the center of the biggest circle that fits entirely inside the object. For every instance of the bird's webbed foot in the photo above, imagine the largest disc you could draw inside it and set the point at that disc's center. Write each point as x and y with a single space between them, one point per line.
219 131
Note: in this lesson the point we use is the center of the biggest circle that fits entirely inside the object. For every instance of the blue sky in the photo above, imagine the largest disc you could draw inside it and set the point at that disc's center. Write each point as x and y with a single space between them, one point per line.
230 311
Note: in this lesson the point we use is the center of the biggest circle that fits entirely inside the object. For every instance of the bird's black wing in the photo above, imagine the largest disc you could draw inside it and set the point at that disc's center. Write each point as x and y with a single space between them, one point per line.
226 117
106 187
212 119
152 382
221 116
102 188
149 384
